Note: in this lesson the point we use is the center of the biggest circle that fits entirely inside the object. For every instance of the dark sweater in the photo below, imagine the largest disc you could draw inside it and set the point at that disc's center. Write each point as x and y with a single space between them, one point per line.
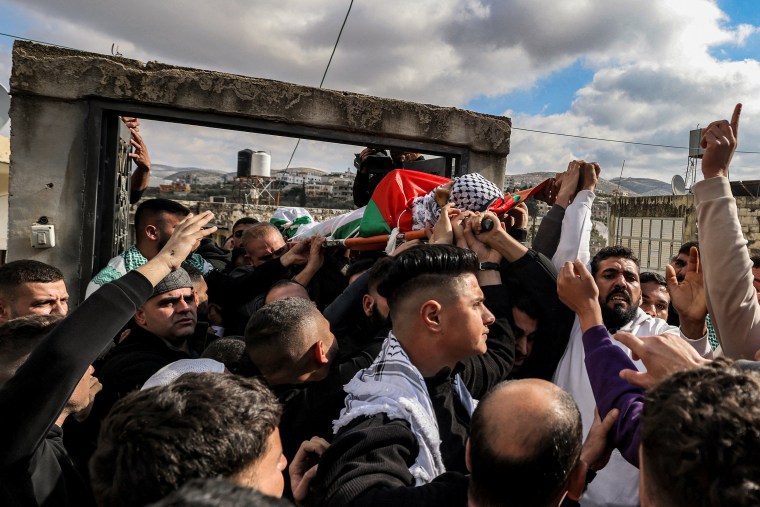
368 462
34 466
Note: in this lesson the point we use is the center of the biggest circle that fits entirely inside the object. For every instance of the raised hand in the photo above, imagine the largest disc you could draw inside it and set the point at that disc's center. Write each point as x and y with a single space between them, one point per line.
662 355
719 140
578 291
688 296
186 237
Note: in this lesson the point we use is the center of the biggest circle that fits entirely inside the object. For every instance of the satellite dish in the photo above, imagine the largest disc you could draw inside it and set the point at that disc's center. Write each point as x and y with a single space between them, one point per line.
678 185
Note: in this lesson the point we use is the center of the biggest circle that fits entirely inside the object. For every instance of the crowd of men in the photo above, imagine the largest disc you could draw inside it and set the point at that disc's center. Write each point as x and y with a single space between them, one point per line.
468 370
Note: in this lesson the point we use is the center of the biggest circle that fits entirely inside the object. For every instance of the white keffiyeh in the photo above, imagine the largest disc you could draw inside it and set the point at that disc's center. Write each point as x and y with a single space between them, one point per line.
392 385
469 192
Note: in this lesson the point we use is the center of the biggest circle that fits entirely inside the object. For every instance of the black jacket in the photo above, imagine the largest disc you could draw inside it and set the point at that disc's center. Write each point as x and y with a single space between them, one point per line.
368 461
35 468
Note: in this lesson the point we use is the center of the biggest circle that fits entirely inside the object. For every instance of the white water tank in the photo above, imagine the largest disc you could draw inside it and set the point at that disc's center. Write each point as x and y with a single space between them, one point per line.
261 163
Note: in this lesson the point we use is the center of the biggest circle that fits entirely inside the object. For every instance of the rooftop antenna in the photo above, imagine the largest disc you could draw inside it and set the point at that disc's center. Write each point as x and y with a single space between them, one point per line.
617 190
695 153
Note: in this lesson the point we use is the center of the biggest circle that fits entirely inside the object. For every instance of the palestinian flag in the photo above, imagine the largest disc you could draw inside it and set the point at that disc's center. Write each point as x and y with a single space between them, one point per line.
391 202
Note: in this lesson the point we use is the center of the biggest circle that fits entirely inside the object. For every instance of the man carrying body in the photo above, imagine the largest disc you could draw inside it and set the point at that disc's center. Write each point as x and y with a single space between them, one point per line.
29 287
407 416
616 272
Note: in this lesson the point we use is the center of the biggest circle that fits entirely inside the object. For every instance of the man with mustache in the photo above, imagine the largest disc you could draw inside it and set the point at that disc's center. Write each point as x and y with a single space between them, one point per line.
616 272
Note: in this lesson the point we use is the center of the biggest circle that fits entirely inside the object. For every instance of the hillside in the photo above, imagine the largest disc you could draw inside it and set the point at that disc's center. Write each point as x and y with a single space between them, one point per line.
644 186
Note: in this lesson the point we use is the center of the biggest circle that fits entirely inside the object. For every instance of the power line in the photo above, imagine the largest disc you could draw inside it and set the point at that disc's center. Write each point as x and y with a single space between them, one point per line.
619 141
324 75
37 41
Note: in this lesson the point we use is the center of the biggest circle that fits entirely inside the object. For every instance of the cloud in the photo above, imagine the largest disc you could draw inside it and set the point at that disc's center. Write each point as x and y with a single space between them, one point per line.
654 77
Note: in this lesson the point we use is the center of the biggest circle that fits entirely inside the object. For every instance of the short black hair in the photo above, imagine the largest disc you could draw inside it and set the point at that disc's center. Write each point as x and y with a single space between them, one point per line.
700 437
195 274
755 261
612 251
358 267
228 351
273 335
216 492
151 210
425 267
526 481
527 305
378 272
244 221
649 276
201 425
19 337
686 247
16 273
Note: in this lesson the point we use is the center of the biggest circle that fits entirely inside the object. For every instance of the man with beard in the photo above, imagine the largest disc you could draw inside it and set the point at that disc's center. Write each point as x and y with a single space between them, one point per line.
616 273
155 220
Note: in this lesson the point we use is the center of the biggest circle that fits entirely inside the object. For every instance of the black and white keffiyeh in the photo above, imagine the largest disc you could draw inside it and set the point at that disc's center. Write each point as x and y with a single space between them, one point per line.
392 385
470 192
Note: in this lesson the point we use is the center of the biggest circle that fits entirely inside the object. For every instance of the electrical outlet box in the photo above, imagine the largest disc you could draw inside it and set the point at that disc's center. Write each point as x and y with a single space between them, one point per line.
43 236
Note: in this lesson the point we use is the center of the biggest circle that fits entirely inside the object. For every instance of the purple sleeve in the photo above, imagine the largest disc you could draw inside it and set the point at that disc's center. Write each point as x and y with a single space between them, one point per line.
604 360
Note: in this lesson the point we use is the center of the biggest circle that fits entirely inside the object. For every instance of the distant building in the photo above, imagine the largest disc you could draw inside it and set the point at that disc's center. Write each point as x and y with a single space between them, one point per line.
177 187
656 227
298 175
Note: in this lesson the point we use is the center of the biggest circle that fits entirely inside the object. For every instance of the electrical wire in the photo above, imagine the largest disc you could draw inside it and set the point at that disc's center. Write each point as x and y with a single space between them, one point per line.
37 41
324 75
618 140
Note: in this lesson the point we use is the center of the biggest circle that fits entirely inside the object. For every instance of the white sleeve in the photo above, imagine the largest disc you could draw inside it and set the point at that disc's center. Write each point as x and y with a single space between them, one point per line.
575 238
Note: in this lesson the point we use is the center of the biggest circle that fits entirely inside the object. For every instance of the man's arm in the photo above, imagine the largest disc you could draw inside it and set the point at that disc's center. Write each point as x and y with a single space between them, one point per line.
575 239
604 360
140 177
368 464
559 193
34 397
730 295
483 372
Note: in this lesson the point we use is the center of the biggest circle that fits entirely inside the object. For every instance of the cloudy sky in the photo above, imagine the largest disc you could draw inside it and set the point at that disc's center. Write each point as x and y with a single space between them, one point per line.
643 72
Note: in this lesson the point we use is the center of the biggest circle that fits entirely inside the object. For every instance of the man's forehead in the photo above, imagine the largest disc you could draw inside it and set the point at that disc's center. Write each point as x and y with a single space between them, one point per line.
654 288
57 288
618 264
173 294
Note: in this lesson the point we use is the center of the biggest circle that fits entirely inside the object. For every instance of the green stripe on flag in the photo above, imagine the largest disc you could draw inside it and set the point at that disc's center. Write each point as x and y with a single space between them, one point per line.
373 223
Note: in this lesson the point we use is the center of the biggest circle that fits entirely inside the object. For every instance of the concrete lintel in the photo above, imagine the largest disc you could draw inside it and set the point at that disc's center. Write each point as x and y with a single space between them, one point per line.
73 75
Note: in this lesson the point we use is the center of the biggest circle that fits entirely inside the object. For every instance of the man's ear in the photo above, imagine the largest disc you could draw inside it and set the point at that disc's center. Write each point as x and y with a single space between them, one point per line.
140 316
430 311
577 480
5 310
367 302
151 231
319 353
